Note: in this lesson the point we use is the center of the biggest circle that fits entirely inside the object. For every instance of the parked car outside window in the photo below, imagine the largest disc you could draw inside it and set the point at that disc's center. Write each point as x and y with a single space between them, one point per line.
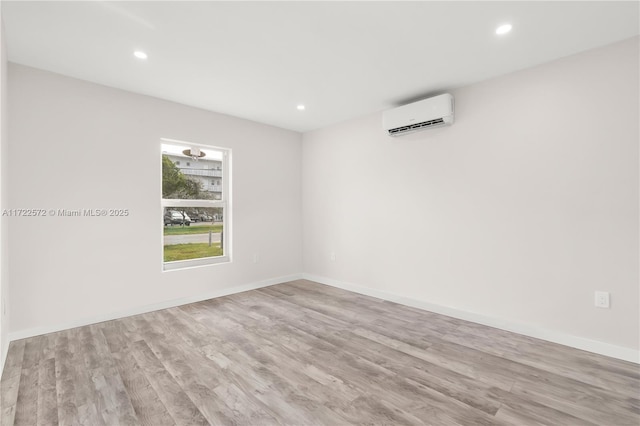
175 217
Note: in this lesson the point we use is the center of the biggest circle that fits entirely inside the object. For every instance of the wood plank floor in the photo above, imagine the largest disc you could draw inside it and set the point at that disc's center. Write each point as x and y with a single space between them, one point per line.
302 353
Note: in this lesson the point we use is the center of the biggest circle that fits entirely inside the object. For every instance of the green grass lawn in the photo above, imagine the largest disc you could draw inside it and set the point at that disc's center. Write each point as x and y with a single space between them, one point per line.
191 251
193 229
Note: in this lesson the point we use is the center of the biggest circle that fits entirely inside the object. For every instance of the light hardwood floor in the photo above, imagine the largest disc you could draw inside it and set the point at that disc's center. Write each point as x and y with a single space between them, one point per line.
302 353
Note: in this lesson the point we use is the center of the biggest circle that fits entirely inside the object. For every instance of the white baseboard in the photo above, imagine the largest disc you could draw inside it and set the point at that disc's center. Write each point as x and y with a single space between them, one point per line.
37 331
602 348
589 345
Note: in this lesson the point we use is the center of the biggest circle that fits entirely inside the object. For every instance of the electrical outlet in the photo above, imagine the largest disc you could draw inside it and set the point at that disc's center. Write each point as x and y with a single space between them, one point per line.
602 299
332 256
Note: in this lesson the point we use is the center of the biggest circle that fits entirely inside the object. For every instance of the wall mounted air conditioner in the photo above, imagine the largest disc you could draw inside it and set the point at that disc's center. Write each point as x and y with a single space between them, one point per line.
421 115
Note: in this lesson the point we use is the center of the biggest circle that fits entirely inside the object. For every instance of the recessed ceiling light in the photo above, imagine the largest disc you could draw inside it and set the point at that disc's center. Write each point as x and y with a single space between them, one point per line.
300 107
140 54
503 29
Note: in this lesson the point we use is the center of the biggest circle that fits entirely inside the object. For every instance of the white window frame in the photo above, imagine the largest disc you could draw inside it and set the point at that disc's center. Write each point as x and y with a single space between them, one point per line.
224 203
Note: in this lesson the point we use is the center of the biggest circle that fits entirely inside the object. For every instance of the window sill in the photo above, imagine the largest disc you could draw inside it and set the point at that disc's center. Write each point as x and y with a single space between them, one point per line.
194 263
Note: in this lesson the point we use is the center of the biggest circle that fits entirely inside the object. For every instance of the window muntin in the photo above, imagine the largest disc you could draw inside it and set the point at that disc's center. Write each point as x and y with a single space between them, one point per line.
195 213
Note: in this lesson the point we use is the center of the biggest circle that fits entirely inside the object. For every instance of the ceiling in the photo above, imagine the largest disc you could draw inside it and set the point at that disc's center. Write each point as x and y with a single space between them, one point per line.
259 60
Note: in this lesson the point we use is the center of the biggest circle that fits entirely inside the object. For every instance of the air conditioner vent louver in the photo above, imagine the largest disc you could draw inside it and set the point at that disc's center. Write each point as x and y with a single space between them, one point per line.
416 126
421 115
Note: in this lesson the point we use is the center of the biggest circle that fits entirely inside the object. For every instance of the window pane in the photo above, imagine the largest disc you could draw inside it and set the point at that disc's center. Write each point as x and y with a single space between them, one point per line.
199 178
193 233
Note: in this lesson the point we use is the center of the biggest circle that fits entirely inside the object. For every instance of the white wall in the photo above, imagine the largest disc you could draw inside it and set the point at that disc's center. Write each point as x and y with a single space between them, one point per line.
518 212
74 145
4 191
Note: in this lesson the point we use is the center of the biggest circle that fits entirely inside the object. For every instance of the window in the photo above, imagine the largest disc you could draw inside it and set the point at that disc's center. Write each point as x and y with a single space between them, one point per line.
195 215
